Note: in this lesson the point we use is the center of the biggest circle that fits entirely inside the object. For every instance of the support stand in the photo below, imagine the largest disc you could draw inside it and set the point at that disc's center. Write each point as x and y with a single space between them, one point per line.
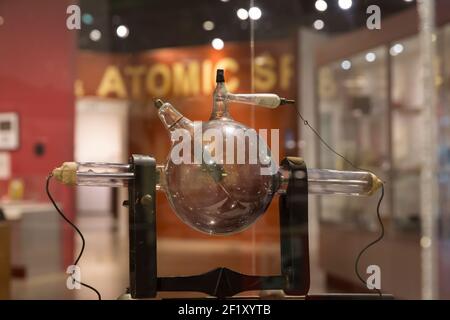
142 228
221 282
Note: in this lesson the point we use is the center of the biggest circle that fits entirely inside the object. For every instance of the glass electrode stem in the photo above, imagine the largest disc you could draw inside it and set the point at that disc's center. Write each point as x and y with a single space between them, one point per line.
267 100
220 108
221 97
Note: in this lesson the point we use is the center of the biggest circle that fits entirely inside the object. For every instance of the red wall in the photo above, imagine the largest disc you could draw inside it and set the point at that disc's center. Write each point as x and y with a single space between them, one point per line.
36 81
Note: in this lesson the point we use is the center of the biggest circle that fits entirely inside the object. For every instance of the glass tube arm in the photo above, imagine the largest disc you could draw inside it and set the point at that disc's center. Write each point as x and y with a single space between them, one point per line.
325 181
268 100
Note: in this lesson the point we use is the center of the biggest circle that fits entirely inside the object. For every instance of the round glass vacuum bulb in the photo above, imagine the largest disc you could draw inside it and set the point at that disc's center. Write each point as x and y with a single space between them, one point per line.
220 198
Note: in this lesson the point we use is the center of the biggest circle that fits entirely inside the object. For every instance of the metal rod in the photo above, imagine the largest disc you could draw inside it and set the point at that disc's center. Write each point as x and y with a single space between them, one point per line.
123 175
336 181
102 164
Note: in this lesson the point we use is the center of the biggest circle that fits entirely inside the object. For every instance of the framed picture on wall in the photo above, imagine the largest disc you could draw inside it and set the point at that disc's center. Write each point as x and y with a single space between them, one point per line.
9 131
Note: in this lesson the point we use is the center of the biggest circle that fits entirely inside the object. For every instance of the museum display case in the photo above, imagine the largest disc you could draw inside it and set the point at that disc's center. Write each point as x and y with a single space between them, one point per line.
372 100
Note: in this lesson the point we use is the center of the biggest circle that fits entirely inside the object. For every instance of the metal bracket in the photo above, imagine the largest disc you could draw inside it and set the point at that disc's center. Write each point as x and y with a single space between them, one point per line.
142 227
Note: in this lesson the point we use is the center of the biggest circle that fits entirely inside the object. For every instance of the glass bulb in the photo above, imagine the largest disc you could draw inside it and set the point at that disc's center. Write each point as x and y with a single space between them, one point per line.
216 197
224 191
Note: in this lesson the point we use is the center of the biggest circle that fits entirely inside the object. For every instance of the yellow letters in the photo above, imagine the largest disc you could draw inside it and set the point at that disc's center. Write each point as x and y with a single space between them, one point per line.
112 83
186 78
158 88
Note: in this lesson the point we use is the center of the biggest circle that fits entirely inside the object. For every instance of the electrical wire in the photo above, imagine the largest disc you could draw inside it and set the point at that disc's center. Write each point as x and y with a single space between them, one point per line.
83 241
306 123
374 241
380 237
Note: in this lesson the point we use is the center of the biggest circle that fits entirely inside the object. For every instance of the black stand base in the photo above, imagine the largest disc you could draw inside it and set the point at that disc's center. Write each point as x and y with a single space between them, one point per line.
221 283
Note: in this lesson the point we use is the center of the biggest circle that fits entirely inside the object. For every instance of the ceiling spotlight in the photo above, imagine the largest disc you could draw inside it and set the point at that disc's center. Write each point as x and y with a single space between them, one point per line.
95 35
346 65
318 24
321 5
122 31
217 44
254 13
87 18
224 0
345 4
371 57
242 14
208 25
396 49
409 0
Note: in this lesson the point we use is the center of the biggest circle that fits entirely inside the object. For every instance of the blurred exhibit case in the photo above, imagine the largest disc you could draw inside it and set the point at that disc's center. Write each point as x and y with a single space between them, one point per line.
369 107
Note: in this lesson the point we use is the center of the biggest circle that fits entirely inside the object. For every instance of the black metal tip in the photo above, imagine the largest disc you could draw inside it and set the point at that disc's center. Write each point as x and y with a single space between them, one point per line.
158 103
284 101
220 77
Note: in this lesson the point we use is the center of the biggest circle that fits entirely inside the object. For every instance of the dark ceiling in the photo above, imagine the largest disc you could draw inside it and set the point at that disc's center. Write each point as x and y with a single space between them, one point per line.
168 23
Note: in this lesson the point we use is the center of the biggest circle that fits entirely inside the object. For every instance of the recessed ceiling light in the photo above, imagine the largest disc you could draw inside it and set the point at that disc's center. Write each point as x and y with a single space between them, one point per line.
122 31
242 14
345 4
318 24
396 49
254 13
87 18
321 5
208 25
95 35
346 65
371 57
217 44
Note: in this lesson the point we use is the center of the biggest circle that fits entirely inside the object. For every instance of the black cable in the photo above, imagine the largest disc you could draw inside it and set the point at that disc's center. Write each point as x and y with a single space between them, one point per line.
374 241
83 242
380 237
306 123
